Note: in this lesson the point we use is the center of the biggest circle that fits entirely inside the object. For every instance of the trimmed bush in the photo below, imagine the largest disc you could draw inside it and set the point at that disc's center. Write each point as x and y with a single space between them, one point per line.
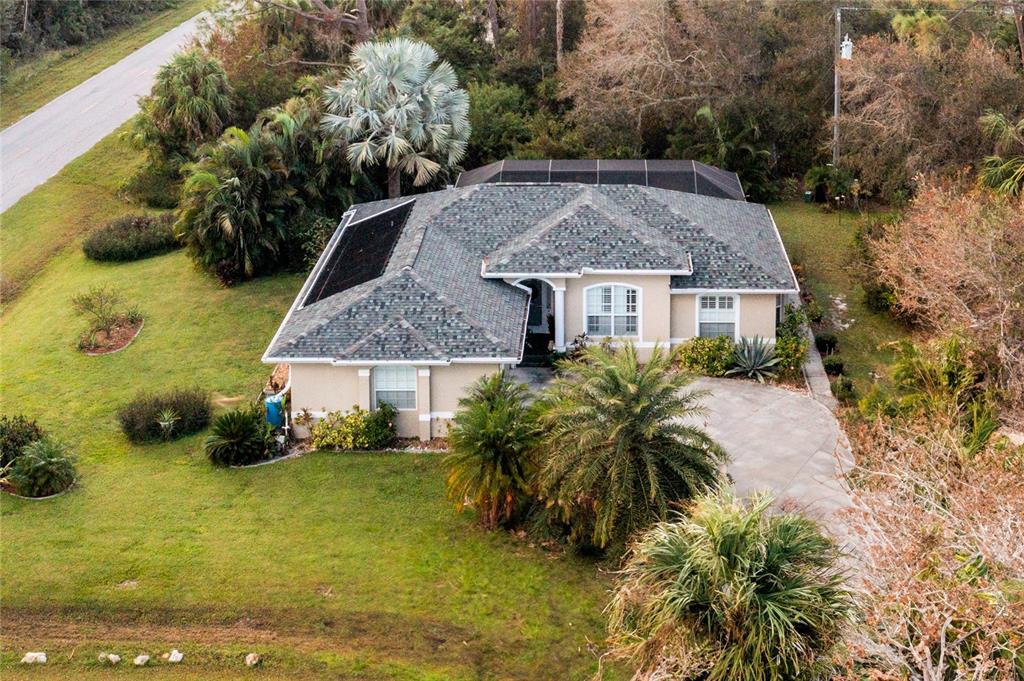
356 429
152 417
790 351
833 365
45 467
16 432
826 342
844 390
132 237
239 438
708 356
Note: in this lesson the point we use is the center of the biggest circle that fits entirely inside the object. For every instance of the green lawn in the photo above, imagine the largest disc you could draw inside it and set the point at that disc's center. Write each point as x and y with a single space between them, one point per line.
823 244
349 565
33 83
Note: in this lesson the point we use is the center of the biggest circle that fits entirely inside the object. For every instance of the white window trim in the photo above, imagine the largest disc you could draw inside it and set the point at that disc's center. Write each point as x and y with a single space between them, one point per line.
415 389
639 337
736 306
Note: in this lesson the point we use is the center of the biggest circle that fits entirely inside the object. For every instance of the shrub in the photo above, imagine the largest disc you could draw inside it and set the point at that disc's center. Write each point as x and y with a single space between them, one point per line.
833 365
16 432
844 390
491 436
151 417
687 584
754 358
793 319
708 356
131 237
826 342
814 311
239 438
44 468
356 429
790 351
101 305
156 184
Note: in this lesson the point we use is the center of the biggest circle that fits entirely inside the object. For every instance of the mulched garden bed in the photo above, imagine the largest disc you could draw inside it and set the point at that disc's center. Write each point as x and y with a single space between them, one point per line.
120 337
8 488
413 444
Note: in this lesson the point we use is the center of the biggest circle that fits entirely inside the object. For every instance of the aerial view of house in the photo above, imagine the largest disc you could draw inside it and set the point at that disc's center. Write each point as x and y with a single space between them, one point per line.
459 283
512 340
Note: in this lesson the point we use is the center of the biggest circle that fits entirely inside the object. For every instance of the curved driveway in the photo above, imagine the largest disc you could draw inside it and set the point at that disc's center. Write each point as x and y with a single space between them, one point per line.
36 147
780 440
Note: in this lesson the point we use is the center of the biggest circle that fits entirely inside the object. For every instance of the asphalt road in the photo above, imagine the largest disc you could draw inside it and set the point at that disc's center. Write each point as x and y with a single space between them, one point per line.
35 148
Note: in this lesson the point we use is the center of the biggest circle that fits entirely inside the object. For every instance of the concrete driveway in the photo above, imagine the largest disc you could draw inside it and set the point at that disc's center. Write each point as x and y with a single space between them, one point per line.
36 147
780 440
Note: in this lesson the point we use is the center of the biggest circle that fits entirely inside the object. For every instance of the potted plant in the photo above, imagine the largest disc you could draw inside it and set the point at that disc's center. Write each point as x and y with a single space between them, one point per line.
301 424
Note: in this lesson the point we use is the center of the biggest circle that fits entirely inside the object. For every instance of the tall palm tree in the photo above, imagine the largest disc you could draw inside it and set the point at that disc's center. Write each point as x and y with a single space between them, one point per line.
491 436
1004 170
189 104
729 592
617 450
233 205
396 107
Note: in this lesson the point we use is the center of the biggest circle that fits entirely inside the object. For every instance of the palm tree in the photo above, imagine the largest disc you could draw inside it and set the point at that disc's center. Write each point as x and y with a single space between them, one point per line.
491 435
189 104
395 107
233 205
731 592
617 451
1004 170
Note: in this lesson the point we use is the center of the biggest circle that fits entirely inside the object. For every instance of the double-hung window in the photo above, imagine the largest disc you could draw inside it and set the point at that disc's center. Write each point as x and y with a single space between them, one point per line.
394 385
612 311
717 316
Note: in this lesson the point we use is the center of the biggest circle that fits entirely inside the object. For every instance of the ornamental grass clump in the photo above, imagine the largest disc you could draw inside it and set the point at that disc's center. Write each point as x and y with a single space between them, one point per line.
490 466
732 591
155 417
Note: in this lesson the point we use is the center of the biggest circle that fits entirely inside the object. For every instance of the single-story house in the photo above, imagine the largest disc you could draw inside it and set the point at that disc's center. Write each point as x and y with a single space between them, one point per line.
415 298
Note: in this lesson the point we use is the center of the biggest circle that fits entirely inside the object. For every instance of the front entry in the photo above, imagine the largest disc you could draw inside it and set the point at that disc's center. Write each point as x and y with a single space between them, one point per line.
539 324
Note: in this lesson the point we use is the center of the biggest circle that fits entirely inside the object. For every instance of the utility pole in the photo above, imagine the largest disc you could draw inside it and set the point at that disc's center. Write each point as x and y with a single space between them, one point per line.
835 94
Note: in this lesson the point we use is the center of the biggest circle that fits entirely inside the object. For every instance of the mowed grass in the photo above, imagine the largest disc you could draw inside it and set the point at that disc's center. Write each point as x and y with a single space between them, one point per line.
33 83
823 244
344 565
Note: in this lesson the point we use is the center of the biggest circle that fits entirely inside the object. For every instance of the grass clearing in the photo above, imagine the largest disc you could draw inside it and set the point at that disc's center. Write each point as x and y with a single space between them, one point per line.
333 565
823 243
35 82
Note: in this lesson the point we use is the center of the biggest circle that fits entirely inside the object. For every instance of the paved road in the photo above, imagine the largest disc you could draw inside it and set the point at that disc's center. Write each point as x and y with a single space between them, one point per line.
35 148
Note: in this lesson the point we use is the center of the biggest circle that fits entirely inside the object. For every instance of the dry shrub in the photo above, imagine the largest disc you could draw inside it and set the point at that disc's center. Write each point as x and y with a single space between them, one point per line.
955 263
942 551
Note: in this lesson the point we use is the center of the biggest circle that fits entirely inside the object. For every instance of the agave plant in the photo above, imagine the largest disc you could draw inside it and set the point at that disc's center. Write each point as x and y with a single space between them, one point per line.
754 358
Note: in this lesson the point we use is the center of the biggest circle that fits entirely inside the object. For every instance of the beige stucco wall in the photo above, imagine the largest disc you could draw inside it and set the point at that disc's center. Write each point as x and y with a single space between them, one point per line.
684 316
757 315
322 388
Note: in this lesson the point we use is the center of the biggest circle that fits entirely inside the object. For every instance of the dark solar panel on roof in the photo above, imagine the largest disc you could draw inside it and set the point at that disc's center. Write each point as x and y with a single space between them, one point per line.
361 254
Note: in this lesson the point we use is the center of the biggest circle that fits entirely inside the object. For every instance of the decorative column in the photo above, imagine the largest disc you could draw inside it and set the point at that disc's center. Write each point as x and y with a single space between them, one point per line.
560 319
423 402
364 389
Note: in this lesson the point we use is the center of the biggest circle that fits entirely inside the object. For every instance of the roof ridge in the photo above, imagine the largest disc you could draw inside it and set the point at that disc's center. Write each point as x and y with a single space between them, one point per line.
468 318
653 195
639 227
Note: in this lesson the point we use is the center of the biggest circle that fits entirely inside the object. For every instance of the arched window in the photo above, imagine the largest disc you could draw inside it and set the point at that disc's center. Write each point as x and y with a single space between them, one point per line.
613 310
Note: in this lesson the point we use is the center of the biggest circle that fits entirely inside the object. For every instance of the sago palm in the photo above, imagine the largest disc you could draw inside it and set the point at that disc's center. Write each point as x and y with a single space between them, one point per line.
396 107
616 448
729 592
489 466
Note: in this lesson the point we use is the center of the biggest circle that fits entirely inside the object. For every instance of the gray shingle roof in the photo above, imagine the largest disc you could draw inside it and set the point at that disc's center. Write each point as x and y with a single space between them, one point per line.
432 304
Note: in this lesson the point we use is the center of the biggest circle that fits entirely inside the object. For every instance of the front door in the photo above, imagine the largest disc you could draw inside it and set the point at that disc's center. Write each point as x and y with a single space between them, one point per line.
537 319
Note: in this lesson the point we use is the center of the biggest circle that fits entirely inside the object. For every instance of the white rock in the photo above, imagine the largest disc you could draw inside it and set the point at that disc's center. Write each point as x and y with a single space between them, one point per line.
141 660
110 658
252 659
34 658
175 656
